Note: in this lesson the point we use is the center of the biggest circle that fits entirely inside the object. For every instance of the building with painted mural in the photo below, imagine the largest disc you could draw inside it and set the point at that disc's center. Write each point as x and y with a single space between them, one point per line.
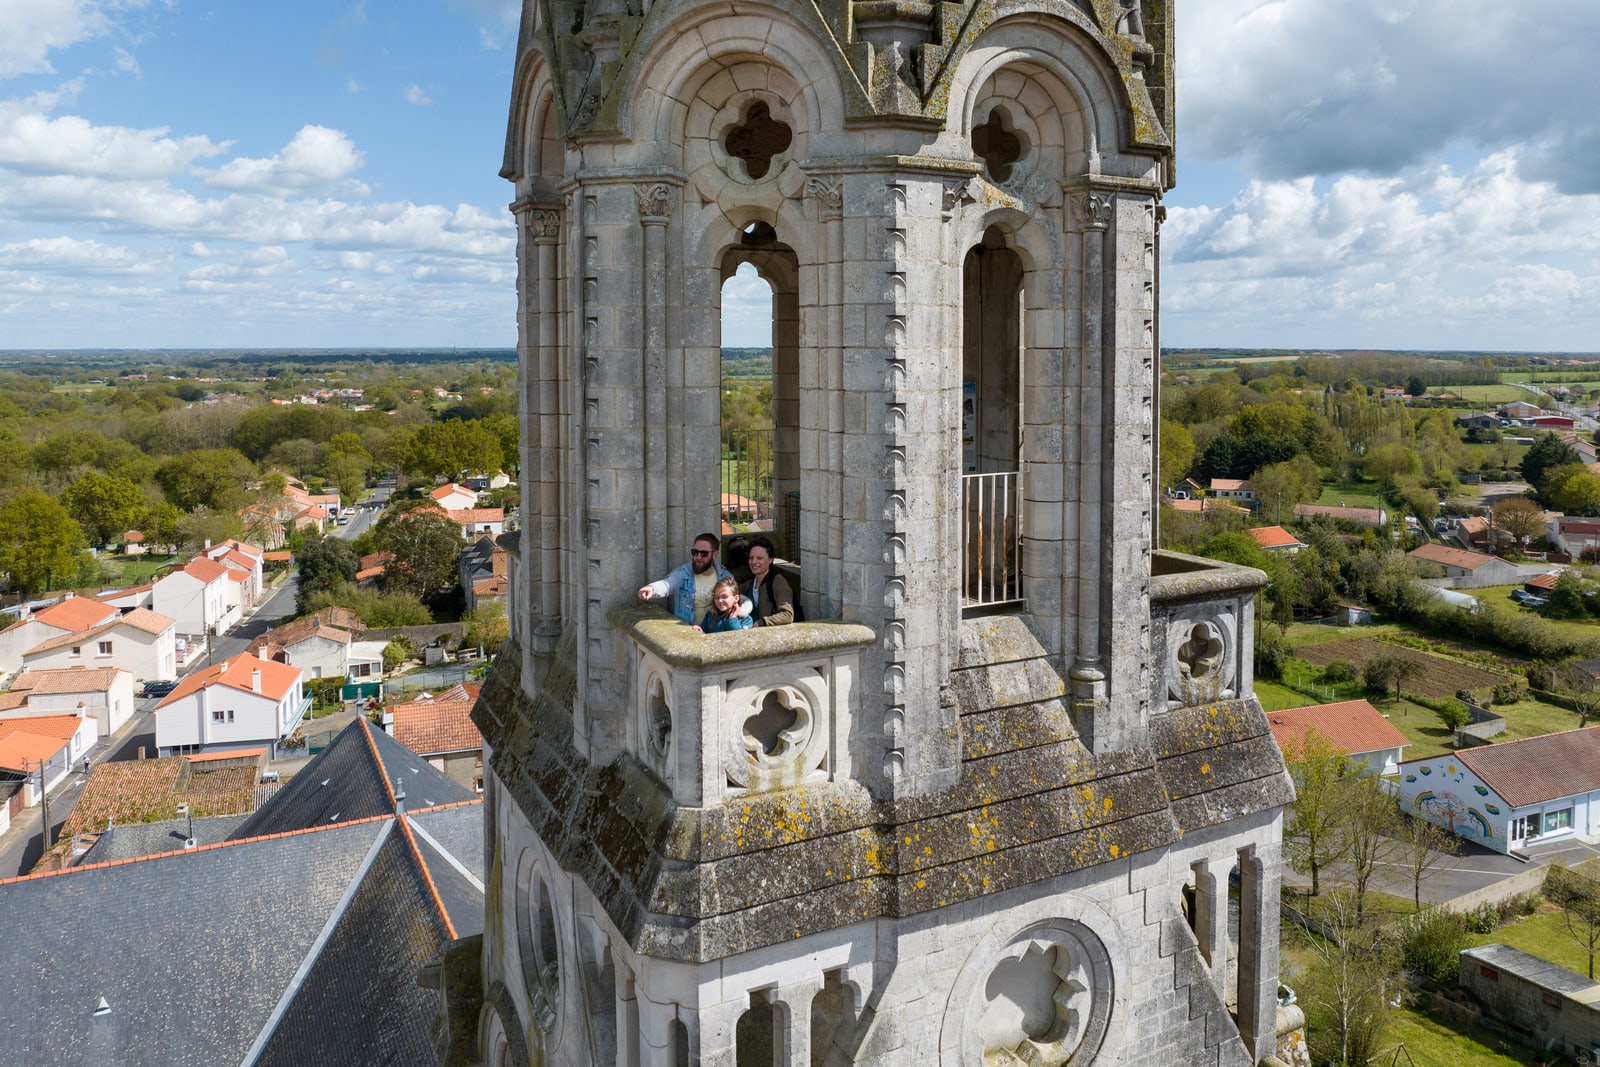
1513 794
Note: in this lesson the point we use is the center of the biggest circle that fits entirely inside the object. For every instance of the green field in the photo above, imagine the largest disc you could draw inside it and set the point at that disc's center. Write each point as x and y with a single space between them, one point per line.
1351 495
1492 394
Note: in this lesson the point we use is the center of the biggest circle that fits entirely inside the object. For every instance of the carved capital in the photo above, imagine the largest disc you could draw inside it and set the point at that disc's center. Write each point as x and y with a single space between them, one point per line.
959 192
1093 209
544 225
829 195
655 200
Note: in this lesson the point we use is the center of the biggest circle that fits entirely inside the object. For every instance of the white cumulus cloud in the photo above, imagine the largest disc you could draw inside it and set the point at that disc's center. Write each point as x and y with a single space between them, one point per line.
316 160
33 142
1297 87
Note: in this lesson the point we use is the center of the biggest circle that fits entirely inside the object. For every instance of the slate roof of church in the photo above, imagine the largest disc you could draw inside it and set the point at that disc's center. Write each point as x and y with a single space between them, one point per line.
353 778
132 840
298 947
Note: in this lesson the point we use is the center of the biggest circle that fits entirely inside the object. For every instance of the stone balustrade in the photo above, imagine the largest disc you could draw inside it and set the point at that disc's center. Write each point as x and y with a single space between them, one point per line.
722 715
1202 619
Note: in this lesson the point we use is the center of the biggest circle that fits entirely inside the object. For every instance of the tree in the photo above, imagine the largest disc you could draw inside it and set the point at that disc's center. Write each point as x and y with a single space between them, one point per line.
201 478
1312 835
1367 816
1576 891
1415 386
448 448
1547 451
1574 490
105 506
486 626
324 563
1423 847
1347 994
1519 517
1177 452
39 541
160 526
203 526
1381 672
426 546
1581 689
397 651
1280 486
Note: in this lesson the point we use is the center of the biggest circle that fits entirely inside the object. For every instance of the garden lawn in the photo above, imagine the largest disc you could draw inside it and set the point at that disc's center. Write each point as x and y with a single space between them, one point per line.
1351 495
1429 1041
1543 934
136 570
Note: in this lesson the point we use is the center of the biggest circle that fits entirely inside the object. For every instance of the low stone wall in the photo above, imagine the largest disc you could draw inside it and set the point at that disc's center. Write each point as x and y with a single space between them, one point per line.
421 636
1484 725
1525 881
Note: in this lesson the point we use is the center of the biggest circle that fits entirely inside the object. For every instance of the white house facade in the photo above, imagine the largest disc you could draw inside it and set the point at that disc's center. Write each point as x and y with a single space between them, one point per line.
106 694
1512 794
242 702
143 643
196 597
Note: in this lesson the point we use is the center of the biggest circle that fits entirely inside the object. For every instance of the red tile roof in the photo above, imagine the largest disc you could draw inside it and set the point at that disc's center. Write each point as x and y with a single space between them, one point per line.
75 613
59 727
477 515
66 680
1464 558
1545 581
204 570
230 753
1536 769
1368 516
451 489
1273 537
276 678
20 751
431 727
1354 726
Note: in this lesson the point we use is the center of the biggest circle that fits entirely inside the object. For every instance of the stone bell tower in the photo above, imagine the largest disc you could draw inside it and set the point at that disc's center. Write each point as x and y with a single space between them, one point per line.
984 806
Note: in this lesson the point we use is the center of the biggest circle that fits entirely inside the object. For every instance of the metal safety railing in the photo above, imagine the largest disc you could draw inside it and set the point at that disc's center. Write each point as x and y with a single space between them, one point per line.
991 506
747 488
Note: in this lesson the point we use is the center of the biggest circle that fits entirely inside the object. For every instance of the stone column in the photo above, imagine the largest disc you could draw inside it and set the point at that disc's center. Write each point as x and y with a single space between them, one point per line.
793 1002
1093 213
1259 879
821 441
542 523
1211 922
655 209
628 1031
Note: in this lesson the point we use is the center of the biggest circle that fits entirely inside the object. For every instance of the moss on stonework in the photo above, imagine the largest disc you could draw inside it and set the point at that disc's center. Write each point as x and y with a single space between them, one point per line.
1031 803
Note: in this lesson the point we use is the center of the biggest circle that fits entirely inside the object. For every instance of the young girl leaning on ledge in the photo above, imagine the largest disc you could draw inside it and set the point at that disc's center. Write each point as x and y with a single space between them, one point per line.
721 617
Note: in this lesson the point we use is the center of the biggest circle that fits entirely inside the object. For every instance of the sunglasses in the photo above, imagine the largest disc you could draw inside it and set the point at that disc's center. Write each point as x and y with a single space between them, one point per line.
698 552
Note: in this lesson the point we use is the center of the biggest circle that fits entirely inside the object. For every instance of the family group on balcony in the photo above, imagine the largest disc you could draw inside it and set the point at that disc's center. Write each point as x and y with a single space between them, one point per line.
704 589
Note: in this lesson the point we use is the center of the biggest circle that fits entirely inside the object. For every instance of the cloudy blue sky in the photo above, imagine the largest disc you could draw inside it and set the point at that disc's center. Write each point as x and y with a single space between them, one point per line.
179 174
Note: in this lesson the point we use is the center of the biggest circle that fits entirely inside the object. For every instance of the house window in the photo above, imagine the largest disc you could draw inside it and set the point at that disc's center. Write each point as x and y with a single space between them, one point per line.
1489 972
216 716
222 716
77 650
105 648
361 670
1557 820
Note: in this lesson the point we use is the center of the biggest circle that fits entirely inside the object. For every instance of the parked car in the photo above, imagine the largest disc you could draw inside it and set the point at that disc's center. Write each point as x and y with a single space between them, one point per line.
159 687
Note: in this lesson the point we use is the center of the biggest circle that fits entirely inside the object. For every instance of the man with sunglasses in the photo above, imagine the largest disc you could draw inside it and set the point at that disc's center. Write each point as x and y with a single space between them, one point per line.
690 585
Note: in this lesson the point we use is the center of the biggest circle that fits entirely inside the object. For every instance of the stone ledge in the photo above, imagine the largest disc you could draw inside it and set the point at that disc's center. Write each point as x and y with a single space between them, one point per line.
1176 576
678 645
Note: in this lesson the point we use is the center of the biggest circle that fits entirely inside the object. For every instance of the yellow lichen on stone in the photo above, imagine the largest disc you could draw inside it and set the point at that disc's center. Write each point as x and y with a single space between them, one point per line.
1115 851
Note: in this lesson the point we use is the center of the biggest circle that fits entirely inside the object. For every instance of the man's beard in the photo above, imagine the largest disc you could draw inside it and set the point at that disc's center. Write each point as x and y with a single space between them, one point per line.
703 565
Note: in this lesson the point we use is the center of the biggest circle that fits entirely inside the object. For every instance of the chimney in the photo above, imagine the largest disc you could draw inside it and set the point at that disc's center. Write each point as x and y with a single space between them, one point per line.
255 680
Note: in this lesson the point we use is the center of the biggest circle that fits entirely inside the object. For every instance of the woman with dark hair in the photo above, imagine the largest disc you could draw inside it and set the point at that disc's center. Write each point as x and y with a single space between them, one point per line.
769 590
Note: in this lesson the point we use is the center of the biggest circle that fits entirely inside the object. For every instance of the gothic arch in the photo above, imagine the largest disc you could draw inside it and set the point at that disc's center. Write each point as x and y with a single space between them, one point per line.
533 128
1074 100
697 48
